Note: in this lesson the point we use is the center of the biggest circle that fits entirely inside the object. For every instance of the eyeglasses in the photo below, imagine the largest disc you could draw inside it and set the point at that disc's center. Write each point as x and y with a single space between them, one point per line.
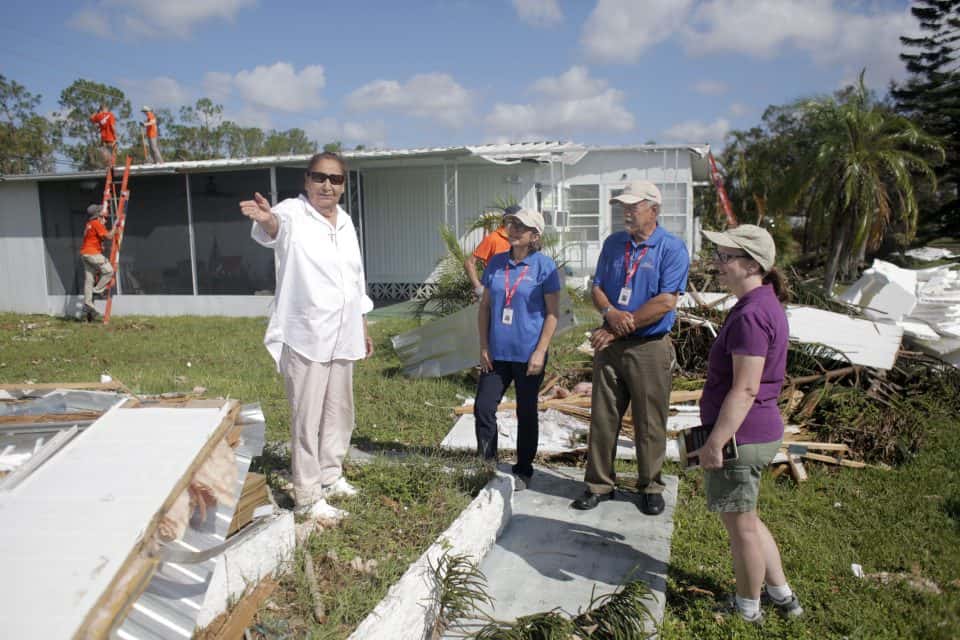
320 177
727 257
519 226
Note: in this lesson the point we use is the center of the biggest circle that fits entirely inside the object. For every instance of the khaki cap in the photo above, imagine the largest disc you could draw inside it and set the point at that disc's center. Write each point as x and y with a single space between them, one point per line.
755 240
638 191
529 218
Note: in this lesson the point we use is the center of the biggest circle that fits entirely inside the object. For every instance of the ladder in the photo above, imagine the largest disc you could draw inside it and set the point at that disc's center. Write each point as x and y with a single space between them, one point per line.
117 203
721 192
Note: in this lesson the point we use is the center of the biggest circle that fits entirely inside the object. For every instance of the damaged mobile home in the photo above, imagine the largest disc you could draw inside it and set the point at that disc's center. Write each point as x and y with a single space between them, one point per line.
187 250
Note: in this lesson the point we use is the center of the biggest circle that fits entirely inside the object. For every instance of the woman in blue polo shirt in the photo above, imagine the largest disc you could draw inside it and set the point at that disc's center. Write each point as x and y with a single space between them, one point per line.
517 319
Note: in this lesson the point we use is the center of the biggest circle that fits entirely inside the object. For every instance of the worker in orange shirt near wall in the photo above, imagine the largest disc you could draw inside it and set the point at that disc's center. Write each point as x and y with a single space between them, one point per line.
150 128
494 243
94 262
107 122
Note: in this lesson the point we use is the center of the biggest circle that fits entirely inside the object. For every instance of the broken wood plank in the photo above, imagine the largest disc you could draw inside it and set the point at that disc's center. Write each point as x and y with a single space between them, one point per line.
549 382
231 625
797 470
829 375
843 462
821 446
780 469
53 386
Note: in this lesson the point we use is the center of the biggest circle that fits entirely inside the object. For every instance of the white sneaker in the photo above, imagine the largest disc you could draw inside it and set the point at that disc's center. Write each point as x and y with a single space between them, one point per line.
322 510
340 489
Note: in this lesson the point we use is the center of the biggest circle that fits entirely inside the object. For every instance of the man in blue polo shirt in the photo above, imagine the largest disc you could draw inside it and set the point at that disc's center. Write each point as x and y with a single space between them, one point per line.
640 275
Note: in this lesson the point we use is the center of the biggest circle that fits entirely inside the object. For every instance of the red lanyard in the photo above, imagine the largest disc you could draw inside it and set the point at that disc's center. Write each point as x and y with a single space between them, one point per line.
631 269
506 279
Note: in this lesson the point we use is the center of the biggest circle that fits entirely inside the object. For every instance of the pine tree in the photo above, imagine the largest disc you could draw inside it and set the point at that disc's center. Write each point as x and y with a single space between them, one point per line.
931 97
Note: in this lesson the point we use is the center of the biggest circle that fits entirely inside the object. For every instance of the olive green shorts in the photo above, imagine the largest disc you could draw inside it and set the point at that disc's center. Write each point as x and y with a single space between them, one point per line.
735 487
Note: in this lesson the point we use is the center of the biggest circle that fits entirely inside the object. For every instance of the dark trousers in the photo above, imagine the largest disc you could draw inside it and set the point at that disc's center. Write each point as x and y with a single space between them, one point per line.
490 391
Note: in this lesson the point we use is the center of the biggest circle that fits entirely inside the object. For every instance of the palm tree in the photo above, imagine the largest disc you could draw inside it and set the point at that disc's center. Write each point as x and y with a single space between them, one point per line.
857 181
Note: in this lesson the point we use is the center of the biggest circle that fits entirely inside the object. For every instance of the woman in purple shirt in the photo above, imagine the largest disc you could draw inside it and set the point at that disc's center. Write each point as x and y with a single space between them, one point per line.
745 372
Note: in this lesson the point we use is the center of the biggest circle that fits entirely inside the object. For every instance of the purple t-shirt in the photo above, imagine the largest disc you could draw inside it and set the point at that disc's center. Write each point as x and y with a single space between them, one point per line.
756 326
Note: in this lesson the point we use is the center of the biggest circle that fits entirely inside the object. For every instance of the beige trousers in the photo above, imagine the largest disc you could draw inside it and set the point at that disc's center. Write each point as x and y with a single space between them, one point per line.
321 421
94 265
635 372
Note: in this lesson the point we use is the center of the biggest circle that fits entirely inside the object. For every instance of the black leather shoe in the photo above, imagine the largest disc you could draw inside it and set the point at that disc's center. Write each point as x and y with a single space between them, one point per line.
651 504
589 500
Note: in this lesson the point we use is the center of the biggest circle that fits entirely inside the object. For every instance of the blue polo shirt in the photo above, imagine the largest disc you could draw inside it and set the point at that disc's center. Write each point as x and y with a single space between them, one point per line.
516 342
663 269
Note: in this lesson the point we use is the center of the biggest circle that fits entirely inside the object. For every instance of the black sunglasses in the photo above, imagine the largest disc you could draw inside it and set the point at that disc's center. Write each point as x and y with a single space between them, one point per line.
320 176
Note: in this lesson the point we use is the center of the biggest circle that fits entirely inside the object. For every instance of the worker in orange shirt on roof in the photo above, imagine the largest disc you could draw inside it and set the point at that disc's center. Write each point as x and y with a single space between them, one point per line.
491 245
94 262
150 128
107 122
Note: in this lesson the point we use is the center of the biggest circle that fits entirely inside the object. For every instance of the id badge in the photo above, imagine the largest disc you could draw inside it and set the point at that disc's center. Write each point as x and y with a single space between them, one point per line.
624 296
507 317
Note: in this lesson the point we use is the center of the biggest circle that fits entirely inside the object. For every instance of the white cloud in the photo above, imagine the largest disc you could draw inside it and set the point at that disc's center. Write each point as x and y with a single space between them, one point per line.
539 13
158 92
217 85
89 20
280 86
570 103
738 109
572 84
826 30
695 131
150 18
249 117
711 87
370 134
621 30
435 96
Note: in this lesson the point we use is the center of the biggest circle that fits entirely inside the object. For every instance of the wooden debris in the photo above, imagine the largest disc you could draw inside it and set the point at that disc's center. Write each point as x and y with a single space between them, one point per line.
255 493
318 612
231 625
797 470
53 386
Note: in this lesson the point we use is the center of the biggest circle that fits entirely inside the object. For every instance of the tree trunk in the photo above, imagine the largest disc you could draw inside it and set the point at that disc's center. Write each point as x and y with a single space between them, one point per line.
833 262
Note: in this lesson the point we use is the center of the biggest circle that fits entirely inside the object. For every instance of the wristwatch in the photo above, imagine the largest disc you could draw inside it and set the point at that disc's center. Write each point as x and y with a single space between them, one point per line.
606 310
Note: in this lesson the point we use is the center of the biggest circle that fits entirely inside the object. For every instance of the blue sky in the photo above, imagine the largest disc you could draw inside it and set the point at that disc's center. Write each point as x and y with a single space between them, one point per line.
410 73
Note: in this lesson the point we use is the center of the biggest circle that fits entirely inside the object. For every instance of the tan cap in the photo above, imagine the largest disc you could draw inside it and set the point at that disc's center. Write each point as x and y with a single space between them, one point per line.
755 240
94 209
529 218
638 191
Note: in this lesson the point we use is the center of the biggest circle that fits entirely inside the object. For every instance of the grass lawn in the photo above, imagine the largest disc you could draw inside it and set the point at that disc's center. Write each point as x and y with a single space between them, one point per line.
901 521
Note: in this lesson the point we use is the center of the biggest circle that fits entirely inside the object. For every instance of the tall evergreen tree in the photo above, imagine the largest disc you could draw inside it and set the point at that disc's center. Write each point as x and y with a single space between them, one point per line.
931 97
27 139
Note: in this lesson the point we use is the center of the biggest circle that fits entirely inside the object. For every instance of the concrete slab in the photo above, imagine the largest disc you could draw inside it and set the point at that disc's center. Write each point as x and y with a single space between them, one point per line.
551 555
558 433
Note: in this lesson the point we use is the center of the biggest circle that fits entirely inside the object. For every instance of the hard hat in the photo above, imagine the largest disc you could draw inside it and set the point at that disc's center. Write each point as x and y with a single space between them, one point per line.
145 108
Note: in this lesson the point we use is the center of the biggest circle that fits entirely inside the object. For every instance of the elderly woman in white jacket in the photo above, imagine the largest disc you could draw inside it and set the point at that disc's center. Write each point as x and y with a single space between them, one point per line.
318 326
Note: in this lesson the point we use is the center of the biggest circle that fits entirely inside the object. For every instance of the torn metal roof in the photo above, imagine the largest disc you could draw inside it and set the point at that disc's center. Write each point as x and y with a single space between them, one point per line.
505 153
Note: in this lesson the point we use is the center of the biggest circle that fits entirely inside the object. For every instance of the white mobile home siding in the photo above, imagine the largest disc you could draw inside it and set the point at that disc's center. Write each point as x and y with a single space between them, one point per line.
23 280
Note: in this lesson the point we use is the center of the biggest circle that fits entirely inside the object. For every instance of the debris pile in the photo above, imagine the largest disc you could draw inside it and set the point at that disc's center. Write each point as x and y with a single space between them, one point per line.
175 530
854 396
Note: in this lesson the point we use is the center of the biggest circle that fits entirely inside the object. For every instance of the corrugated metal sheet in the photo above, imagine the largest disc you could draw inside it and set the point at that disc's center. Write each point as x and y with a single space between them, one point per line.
169 606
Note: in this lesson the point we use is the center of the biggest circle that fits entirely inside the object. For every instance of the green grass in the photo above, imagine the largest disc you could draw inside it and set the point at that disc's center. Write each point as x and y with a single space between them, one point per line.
903 520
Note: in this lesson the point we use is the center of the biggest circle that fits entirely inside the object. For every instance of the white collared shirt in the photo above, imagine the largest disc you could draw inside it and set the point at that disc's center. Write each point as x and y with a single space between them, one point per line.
321 294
